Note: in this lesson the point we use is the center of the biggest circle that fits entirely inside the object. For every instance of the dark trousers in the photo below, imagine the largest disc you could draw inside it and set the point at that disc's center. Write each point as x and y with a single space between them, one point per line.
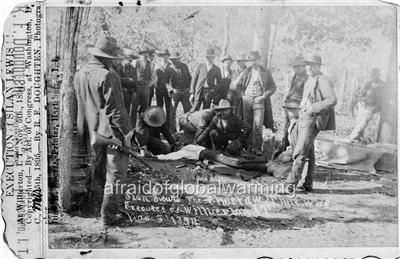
205 98
110 167
141 102
162 97
220 141
157 146
179 96
302 136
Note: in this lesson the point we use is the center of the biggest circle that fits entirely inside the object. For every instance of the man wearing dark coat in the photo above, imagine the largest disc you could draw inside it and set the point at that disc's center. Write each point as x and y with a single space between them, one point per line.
257 86
100 110
316 113
205 83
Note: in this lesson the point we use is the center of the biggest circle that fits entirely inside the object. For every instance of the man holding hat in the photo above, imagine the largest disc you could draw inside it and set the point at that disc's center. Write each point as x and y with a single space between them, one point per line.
180 83
257 85
316 113
293 99
100 110
226 131
151 124
128 77
205 82
163 73
146 80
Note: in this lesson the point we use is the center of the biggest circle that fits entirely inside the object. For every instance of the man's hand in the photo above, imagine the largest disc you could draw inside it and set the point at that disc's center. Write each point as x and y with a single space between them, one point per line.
191 98
146 153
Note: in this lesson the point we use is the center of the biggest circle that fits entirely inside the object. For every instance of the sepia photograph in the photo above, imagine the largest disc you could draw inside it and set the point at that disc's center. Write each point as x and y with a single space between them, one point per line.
221 126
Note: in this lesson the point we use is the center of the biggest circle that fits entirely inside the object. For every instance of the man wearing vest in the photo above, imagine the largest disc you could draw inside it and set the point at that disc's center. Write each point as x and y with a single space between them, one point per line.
316 113
205 82
100 110
257 85
145 81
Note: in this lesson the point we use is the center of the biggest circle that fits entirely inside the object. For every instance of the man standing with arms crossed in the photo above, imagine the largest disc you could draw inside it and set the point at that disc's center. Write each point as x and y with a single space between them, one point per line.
316 113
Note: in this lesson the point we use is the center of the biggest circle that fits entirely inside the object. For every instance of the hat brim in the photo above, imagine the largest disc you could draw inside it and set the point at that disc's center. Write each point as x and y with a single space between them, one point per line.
156 124
226 59
291 107
245 60
97 52
223 108
163 54
144 51
313 61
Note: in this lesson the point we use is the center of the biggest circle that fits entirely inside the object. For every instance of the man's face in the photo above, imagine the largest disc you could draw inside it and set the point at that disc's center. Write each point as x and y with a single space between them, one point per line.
312 68
255 62
227 64
210 59
145 55
299 69
175 61
128 60
240 63
225 113
292 113
165 58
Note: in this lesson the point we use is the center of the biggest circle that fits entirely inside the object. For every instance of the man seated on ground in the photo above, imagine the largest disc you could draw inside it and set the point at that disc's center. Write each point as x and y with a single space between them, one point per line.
193 124
148 129
226 131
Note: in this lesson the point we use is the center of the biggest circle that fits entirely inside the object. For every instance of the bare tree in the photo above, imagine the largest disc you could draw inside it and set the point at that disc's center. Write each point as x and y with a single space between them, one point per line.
227 32
72 21
262 31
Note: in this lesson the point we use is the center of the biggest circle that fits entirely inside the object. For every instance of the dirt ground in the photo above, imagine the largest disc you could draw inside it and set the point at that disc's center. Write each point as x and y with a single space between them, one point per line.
347 208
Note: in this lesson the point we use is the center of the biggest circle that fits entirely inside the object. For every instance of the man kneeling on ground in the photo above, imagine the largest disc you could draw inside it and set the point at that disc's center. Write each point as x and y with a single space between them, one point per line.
148 129
226 131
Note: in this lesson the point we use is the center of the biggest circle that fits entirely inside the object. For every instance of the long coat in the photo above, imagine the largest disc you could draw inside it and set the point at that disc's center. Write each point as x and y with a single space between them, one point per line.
269 86
100 104
323 101
213 77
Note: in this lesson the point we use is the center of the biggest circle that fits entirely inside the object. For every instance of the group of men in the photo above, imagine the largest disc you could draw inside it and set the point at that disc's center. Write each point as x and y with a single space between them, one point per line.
224 109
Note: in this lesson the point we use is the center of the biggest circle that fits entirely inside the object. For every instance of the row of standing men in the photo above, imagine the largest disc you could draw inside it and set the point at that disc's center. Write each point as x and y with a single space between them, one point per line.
101 108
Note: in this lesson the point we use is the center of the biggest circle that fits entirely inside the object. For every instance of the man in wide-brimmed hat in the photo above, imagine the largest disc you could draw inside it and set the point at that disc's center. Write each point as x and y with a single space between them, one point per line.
164 73
180 83
226 131
100 110
234 94
294 96
146 80
205 82
149 126
257 86
128 75
316 113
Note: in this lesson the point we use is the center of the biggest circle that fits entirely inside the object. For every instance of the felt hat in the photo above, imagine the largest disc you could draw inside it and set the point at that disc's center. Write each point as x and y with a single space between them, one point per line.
105 47
315 58
210 52
154 116
175 55
146 50
254 55
131 54
298 61
226 57
164 52
241 57
223 105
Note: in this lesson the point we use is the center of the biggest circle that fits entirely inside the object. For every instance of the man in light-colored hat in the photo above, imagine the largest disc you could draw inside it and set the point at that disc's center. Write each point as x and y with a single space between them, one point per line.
100 110
146 80
205 83
180 83
226 131
316 113
150 125
257 86
294 97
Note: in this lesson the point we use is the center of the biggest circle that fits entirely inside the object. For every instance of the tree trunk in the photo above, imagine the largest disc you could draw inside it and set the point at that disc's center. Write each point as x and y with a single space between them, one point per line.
262 31
227 28
72 21
387 132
